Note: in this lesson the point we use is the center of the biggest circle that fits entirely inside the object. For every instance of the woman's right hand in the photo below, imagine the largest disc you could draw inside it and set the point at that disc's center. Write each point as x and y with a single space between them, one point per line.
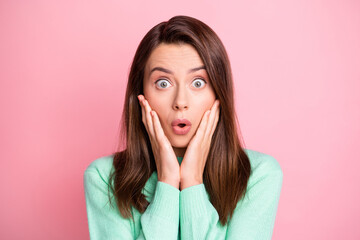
167 165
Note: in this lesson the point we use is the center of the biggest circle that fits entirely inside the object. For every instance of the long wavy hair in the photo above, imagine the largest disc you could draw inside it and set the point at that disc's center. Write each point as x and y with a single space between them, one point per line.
227 168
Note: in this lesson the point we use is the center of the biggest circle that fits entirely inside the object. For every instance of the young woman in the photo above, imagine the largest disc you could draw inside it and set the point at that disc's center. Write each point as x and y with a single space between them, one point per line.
183 173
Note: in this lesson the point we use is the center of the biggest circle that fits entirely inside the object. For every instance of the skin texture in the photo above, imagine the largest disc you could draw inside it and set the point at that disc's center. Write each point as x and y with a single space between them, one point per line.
179 94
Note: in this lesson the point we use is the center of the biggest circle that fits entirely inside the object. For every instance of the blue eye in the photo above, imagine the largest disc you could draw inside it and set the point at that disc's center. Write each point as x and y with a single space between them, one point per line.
162 83
199 83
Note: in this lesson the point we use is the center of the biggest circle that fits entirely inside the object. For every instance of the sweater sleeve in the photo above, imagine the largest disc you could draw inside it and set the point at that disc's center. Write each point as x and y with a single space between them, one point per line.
198 218
254 215
159 221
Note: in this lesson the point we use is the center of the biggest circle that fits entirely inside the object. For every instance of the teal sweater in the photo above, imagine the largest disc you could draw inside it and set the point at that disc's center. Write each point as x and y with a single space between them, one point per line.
186 214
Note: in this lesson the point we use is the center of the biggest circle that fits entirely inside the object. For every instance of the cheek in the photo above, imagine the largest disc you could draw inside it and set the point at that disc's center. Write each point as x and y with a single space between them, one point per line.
207 103
202 107
156 104
159 107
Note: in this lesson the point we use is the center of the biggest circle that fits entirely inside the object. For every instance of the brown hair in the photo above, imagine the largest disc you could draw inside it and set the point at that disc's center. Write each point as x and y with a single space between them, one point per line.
227 168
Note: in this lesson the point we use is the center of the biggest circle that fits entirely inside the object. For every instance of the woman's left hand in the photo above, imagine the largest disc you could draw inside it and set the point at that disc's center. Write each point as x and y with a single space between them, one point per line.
193 164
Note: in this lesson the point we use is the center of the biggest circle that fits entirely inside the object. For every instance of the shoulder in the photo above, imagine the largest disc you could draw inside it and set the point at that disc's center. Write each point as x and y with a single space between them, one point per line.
263 162
264 168
100 168
254 215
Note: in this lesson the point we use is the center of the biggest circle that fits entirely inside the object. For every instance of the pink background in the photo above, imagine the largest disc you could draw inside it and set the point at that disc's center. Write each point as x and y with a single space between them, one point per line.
63 72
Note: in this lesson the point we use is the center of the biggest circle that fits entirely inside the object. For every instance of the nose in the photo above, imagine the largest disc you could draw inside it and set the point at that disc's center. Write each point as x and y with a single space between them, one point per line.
181 100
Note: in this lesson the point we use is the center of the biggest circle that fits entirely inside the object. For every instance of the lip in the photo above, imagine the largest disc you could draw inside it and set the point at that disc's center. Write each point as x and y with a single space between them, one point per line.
181 130
181 120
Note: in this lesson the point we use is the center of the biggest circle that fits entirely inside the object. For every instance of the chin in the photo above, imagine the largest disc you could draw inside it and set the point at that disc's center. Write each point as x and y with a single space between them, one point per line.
179 146
179 141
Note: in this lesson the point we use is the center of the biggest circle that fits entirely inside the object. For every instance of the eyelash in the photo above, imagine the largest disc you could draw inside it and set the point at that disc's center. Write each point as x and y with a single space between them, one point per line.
169 81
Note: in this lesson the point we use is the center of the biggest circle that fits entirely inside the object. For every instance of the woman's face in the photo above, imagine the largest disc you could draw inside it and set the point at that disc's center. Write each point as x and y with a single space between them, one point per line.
177 86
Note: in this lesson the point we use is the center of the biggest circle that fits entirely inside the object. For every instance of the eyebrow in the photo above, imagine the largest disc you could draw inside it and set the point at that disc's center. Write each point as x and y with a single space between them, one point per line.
170 72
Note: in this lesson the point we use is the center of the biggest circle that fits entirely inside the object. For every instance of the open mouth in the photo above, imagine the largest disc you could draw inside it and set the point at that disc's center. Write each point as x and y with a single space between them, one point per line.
181 126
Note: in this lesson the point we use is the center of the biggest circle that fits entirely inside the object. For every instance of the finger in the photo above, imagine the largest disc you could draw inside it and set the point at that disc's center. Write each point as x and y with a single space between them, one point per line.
217 115
146 118
159 132
211 119
202 127
149 119
143 115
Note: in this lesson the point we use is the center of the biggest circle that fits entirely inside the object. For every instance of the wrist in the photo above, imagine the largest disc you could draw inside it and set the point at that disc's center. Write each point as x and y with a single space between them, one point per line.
189 183
173 182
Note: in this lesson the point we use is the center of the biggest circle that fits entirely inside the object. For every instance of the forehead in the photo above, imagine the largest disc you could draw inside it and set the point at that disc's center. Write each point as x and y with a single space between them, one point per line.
174 56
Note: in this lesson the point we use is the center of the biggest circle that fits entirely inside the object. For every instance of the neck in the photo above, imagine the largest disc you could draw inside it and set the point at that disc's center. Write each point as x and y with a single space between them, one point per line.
179 152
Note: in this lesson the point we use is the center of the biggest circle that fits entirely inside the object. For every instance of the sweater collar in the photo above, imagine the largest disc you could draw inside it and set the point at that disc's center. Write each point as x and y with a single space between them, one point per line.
179 159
